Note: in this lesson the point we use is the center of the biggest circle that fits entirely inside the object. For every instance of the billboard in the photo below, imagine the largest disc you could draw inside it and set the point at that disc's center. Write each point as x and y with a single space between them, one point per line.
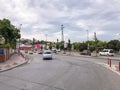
37 46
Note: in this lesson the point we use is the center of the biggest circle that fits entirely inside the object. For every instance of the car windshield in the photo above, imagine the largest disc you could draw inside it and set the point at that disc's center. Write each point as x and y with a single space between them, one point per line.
111 51
47 52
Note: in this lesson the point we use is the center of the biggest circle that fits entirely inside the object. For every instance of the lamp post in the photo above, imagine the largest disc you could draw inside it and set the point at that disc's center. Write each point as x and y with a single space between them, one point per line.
62 37
95 37
19 38
46 42
88 40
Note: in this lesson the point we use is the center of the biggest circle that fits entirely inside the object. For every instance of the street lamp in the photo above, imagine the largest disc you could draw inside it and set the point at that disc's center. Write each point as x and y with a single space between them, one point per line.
62 37
95 37
46 42
19 37
88 40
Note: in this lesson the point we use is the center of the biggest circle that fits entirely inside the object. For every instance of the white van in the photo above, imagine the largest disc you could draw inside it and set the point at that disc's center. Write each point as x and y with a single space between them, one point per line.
107 52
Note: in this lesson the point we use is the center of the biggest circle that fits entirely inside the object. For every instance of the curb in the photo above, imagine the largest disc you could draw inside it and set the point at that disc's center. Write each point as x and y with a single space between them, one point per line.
14 66
78 56
90 56
112 68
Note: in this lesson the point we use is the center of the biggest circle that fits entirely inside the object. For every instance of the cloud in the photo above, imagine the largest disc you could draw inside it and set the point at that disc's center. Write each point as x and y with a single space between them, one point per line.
41 17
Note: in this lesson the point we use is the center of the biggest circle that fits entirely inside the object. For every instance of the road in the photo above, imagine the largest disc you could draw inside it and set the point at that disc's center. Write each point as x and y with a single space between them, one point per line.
61 73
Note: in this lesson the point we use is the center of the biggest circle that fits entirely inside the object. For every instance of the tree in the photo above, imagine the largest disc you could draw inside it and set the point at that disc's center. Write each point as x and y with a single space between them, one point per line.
9 32
58 44
82 46
118 46
62 45
101 44
113 44
76 46
69 45
26 41
50 45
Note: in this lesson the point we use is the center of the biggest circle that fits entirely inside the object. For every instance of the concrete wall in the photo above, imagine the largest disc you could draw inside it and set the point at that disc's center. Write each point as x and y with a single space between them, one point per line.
2 57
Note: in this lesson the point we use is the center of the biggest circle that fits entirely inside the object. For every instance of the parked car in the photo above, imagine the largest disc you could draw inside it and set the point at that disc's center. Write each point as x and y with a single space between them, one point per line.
107 52
47 54
86 52
31 52
54 50
40 52
58 50
26 51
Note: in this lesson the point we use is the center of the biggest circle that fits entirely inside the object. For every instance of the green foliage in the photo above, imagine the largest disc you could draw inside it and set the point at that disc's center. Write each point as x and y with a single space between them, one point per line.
7 45
82 46
9 32
114 44
58 44
42 42
118 46
101 44
76 46
69 44
50 45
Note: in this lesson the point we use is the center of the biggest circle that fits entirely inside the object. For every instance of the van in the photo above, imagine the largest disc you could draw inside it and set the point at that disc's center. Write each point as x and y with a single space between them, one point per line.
107 52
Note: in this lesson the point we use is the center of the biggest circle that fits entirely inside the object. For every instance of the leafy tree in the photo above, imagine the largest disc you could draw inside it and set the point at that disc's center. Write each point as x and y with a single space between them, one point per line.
58 44
82 46
113 44
26 41
69 44
33 41
101 44
76 45
9 32
118 46
62 45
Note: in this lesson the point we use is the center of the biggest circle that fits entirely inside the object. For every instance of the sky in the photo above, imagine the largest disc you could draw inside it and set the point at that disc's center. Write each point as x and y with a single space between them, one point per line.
42 19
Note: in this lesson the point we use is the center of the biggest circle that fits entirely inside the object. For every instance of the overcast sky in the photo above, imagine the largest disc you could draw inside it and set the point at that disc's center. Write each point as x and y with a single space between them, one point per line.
44 17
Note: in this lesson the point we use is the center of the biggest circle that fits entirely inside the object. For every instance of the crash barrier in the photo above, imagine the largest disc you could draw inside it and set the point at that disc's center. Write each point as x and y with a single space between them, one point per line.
115 60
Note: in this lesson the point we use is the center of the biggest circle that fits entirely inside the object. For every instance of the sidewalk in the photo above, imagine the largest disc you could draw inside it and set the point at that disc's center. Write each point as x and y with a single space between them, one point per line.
14 61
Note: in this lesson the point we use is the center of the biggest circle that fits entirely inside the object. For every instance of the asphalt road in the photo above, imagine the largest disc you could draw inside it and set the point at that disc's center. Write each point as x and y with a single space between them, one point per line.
61 73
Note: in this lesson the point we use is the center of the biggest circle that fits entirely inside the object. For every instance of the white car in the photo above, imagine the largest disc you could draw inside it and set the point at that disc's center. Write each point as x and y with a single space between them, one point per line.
47 54
40 52
107 52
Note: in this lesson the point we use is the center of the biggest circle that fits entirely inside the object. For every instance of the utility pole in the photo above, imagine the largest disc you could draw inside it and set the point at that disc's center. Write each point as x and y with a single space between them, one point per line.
62 37
88 49
95 42
88 40
46 42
